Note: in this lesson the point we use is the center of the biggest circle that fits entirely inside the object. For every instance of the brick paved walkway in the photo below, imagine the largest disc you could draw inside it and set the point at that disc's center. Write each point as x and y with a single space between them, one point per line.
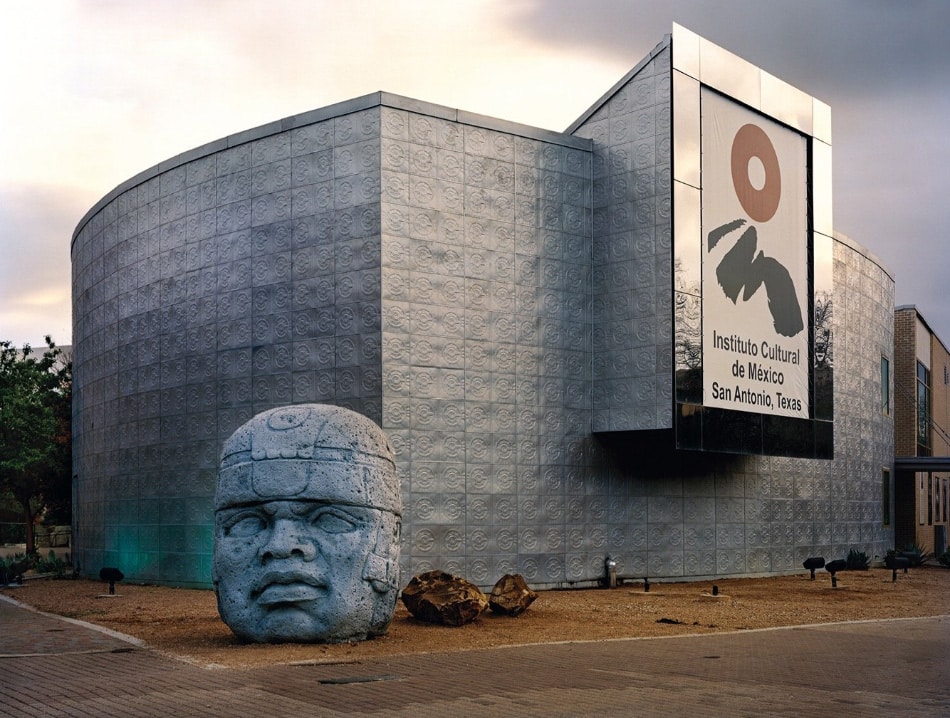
49 667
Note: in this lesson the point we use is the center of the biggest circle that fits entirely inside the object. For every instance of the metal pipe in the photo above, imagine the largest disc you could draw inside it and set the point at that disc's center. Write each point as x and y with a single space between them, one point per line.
610 569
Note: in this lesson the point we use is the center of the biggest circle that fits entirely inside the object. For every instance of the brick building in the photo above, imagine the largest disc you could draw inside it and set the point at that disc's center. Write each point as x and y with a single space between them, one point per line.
921 436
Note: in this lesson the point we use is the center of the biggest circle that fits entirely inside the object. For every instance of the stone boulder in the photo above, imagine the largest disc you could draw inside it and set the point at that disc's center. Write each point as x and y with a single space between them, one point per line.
440 597
511 595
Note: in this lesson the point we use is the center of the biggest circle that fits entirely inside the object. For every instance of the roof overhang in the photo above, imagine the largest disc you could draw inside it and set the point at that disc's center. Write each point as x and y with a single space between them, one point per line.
922 463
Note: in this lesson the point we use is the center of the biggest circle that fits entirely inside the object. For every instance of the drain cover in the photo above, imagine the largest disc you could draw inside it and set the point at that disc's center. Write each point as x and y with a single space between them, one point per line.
357 679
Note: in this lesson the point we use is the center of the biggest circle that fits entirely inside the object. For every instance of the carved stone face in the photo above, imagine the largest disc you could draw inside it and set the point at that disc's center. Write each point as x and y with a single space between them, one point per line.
292 570
306 542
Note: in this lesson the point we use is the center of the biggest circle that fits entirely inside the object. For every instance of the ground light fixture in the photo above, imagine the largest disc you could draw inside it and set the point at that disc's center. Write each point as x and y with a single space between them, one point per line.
112 575
813 563
896 562
833 567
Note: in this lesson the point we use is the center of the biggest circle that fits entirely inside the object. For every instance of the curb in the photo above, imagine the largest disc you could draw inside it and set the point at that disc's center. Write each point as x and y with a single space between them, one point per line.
137 642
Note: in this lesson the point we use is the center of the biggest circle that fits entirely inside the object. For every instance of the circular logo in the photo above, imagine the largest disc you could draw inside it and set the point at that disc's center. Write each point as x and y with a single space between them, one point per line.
760 203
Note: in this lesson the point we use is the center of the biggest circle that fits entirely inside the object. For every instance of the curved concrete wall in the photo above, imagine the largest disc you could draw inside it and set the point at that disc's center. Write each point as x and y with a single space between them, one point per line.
433 271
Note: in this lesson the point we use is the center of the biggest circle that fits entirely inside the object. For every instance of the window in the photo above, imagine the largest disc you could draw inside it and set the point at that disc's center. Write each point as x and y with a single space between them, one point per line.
938 500
923 410
930 500
885 385
946 498
886 497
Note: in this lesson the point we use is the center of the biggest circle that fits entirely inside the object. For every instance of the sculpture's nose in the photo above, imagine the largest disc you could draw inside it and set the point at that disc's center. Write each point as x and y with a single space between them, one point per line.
286 540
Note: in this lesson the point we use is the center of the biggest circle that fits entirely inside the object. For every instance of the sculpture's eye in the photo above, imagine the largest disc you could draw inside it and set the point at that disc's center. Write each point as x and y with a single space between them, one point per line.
333 521
245 524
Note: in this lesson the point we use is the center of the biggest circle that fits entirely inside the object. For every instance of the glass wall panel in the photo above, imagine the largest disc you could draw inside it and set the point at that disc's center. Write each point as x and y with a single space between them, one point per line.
730 74
734 432
821 188
689 426
823 381
687 347
686 130
824 440
821 121
791 105
685 51
787 436
687 251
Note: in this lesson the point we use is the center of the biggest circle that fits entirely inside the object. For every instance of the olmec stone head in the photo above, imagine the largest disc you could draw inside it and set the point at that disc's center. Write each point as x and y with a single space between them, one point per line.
307 521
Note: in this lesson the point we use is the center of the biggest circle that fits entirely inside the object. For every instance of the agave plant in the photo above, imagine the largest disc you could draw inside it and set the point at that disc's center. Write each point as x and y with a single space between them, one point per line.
916 553
858 560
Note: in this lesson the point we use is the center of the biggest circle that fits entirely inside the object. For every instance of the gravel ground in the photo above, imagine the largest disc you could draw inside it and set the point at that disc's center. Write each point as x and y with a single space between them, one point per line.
184 623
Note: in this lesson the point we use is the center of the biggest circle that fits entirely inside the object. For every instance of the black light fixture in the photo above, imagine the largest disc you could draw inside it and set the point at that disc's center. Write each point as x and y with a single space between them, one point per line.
813 563
833 567
894 562
112 575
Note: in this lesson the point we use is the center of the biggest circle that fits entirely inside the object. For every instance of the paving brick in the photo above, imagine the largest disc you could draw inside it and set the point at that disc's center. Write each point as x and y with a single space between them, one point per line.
857 669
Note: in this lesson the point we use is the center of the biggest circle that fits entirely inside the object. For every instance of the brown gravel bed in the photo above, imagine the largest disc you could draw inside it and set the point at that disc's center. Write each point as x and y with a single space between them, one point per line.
185 623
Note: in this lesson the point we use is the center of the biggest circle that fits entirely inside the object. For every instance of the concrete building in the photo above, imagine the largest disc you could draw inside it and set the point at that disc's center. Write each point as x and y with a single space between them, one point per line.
921 441
581 344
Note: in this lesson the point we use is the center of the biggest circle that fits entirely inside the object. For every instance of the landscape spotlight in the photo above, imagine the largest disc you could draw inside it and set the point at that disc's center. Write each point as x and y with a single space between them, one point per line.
833 567
895 562
112 575
812 563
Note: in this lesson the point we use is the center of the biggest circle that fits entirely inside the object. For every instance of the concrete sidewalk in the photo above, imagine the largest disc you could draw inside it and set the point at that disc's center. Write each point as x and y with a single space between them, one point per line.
51 667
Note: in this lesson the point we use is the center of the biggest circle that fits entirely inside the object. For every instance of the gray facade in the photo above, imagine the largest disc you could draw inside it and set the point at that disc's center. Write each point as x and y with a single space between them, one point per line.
499 298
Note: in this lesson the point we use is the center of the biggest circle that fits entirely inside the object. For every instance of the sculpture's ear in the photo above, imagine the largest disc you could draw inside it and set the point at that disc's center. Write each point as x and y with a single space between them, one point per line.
382 567
377 571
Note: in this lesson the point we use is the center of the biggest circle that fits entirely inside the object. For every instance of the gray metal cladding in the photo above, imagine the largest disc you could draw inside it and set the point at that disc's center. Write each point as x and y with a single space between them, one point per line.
492 295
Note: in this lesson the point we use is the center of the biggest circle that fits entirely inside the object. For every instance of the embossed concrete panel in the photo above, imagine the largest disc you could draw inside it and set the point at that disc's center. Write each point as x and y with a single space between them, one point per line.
253 278
498 298
632 138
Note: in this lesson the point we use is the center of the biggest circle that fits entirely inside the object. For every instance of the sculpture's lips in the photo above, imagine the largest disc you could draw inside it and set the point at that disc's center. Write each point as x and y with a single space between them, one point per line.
277 587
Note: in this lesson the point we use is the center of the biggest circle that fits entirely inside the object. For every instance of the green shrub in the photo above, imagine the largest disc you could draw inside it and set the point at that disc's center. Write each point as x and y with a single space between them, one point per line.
13 568
52 564
858 560
944 558
916 553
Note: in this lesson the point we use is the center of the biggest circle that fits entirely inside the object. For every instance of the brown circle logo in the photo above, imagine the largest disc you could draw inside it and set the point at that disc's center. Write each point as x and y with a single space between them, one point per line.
761 204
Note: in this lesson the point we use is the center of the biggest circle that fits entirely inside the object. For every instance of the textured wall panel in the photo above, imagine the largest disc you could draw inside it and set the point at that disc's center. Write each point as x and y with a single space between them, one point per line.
225 277
489 294
631 134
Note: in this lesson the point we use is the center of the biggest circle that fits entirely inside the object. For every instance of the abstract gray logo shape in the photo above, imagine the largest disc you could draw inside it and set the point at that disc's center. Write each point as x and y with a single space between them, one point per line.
741 268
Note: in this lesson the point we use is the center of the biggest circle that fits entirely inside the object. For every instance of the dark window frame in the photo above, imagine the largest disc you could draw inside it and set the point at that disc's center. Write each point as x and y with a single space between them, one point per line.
886 496
924 408
885 385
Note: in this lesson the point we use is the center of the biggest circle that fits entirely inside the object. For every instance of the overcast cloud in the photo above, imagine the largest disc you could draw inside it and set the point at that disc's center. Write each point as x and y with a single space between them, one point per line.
95 92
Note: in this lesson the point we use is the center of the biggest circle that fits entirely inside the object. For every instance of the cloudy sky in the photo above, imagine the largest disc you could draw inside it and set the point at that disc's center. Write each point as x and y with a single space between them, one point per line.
95 91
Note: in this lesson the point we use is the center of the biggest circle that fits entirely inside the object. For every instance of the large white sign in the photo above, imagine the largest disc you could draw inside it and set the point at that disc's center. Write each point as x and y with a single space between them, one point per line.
755 261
